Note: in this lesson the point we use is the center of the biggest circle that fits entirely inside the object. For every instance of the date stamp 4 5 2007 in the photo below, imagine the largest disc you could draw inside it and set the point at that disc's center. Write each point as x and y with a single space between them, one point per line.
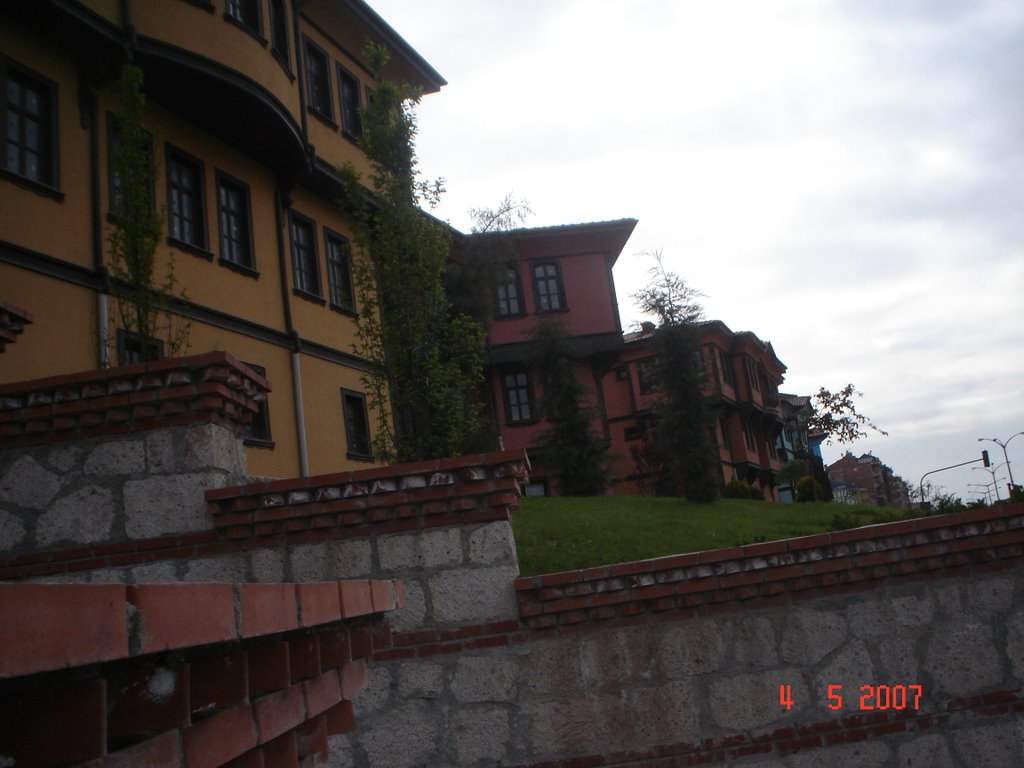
872 697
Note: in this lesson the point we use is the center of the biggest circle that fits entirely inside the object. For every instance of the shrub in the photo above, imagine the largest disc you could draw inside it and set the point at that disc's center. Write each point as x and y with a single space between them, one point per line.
806 489
736 489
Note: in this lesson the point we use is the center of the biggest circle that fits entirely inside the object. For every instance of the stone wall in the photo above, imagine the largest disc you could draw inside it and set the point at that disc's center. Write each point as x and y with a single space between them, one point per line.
681 661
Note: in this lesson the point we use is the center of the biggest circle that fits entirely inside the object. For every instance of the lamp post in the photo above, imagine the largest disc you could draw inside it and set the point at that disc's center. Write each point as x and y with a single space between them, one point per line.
986 491
1003 445
993 473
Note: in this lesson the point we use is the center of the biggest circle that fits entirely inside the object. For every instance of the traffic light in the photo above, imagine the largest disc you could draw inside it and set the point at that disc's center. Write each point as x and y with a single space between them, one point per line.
984 459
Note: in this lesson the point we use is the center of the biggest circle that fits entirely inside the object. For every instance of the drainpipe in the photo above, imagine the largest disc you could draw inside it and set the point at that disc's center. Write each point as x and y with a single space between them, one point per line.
90 120
281 201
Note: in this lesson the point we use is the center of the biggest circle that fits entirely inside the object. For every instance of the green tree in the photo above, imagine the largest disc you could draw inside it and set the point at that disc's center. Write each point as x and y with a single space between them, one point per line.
426 359
680 442
569 447
835 415
143 304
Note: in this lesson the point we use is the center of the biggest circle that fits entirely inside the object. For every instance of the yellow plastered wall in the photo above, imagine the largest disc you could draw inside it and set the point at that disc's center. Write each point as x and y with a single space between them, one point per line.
63 335
29 218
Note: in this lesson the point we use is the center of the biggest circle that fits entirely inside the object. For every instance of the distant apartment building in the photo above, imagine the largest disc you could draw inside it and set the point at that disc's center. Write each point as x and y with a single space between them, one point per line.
742 384
876 481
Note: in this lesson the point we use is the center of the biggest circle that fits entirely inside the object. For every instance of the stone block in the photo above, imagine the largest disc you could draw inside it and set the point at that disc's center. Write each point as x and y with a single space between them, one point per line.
962 658
165 504
309 561
850 667
66 456
616 657
420 680
426 549
12 531
809 635
899 660
865 754
83 517
751 701
485 679
755 644
691 648
267 566
161 456
481 735
28 484
990 595
927 752
116 457
414 613
211 446
665 713
493 543
472 595
991 746
340 752
913 611
573 725
377 692
406 738
350 559
870 619
1015 643
552 667
225 568
155 573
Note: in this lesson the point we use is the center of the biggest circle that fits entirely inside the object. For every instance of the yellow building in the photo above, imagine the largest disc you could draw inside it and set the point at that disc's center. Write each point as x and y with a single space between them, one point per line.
252 106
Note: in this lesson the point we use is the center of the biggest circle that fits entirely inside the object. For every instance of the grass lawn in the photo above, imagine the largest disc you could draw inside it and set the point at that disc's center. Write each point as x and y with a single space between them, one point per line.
565 533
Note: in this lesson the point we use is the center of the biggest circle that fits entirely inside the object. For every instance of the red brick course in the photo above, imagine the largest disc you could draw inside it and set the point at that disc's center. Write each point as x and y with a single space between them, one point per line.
209 388
243 702
803 567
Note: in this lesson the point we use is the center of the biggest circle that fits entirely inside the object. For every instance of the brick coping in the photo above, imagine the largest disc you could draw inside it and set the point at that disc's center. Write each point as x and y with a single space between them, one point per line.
211 388
800 567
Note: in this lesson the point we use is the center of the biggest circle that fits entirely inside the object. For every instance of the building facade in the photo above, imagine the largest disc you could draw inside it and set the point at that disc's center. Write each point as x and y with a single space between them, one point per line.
875 482
743 377
252 106
560 275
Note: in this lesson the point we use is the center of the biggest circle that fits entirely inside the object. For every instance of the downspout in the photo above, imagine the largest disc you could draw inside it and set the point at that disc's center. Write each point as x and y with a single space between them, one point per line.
282 201
103 294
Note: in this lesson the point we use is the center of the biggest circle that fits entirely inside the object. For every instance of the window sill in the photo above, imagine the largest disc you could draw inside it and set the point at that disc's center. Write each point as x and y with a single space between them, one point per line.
510 316
359 456
325 119
282 60
523 423
251 31
254 442
241 269
311 297
354 138
31 184
204 4
551 311
195 250
343 311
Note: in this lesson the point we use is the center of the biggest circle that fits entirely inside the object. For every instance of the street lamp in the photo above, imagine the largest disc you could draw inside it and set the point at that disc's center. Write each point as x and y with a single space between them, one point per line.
986 491
1003 445
993 473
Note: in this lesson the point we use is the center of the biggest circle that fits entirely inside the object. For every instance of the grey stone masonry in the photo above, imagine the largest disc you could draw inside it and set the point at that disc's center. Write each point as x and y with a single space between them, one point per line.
921 673
114 488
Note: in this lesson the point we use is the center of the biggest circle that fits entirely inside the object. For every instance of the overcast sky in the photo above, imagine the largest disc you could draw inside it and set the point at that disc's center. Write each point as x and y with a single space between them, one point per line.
844 178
